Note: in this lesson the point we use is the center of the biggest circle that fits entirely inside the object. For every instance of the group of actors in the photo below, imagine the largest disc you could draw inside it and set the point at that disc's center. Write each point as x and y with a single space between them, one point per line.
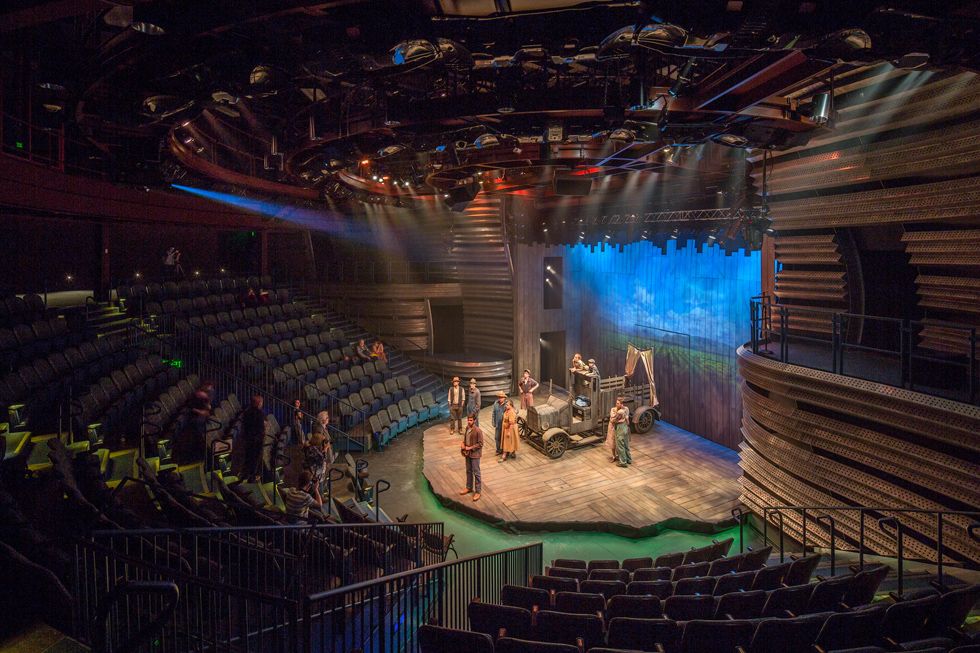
503 420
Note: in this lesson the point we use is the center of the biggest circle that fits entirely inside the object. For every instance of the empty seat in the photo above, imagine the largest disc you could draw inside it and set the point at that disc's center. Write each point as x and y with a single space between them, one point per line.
692 586
769 578
579 603
554 583
686 608
669 560
653 573
741 605
716 636
794 635
739 582
643 634
568 563
563 572
610 574
632 564
435 639
608 588
787 601
690 571
637 607
565 628
659 588
490 619
525 597
851 629
801 570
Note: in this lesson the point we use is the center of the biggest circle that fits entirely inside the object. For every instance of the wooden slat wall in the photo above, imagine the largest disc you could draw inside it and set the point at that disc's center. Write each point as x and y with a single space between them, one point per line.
814 438
395 313
906 160
485 279
530 318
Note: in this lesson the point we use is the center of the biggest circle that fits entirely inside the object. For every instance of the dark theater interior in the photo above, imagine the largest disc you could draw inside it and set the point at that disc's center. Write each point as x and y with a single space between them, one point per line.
489 325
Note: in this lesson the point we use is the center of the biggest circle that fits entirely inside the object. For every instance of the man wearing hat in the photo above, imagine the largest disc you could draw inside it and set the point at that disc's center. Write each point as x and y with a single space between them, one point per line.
473 402
497 420
457 397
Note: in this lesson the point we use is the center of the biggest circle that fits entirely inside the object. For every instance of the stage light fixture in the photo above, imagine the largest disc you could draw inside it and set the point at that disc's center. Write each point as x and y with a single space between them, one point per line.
683 78
822 108
729 140
622 134
486 140
150 18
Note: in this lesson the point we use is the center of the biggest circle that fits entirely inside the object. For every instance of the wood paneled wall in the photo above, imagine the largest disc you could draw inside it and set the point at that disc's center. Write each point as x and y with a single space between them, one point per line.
900 172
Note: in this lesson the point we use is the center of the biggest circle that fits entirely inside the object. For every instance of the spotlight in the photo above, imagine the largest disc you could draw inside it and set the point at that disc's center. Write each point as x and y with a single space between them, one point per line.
683 78
729 140
822 108
486 140
622 134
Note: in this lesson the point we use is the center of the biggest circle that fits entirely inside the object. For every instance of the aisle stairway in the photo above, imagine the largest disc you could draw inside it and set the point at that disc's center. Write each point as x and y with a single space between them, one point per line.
106 319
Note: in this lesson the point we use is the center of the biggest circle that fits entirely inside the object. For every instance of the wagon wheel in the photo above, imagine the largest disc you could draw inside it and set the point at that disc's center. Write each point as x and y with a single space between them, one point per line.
644 420
556 445
522 429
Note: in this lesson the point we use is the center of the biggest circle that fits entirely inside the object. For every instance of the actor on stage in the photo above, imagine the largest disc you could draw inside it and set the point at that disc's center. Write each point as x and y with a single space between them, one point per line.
623 433
527 386
510 441
457 397
577 364
473 401
471 449
497 419
592 369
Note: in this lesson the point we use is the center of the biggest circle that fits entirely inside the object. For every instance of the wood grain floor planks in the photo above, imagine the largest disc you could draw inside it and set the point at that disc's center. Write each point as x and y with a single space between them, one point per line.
675 474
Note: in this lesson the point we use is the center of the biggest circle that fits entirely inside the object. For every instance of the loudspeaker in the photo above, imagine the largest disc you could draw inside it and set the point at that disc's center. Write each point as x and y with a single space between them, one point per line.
570 185
461 196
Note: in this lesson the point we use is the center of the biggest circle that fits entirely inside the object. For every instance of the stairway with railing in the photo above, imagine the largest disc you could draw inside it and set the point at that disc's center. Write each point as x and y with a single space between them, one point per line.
938 538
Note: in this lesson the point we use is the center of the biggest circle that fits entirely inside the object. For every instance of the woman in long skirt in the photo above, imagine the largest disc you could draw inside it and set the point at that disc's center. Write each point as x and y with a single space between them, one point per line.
510 441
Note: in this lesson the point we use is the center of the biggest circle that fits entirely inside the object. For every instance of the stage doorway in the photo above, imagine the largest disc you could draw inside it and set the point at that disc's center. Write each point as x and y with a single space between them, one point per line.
553 364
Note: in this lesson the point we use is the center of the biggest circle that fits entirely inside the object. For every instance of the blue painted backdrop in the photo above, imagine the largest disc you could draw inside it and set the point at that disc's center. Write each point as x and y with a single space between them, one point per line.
692 308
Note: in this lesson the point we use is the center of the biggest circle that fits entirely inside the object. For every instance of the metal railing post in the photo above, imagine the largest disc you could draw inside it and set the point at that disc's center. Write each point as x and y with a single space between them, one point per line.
737 514
833 540
899 533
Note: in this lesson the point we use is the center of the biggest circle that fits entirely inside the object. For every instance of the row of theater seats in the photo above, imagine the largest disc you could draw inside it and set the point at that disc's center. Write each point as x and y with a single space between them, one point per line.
279 305
748 598
24 342
111 408
159 292
390 422
16 310
35 388
251 338
874 626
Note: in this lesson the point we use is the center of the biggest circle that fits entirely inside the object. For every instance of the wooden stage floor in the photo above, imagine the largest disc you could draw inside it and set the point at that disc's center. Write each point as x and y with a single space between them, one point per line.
675 475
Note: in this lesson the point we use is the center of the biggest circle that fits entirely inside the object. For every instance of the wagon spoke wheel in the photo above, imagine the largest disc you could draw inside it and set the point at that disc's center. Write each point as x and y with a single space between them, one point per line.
556 445
644 421
522 430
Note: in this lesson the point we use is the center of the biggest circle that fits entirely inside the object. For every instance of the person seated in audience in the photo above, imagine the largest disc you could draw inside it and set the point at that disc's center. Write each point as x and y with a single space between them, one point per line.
263 297
362 351
346 363
378 351
298 500
249 299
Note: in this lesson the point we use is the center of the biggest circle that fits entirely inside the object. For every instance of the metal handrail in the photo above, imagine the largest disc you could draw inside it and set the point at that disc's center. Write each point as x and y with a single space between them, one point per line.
882 522
204 337
123 590
763 331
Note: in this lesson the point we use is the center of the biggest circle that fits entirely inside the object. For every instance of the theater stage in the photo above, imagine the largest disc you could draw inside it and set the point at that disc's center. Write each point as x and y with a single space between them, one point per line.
677 480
